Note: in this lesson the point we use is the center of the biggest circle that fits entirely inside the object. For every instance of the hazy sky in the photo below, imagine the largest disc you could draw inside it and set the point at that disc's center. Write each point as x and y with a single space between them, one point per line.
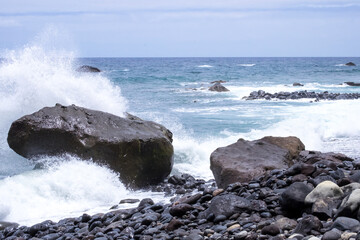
172 28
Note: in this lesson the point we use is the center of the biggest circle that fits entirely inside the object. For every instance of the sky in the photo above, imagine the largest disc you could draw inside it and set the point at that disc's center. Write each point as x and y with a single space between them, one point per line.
186 28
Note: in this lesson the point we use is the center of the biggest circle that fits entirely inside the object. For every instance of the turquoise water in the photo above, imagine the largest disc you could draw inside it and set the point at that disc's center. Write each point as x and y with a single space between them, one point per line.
173 92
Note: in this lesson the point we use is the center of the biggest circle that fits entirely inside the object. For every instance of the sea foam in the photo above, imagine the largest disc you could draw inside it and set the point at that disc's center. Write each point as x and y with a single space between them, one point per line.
31 78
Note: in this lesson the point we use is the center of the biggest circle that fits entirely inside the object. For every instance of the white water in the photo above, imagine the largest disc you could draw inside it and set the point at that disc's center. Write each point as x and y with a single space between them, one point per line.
30 79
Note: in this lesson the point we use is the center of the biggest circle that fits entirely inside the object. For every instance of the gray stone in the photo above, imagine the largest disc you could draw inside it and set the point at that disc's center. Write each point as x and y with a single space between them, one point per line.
333 234
324 190
246 160
227 205
345 223
218 87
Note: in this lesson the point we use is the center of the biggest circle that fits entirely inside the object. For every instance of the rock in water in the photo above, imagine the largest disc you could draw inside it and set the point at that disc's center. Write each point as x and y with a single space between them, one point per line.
296 84
352 84
350 64
218 87
245 160
141 151
86 68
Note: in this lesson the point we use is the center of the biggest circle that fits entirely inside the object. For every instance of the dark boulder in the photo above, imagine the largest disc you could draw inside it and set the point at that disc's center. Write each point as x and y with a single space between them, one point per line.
227 205
87 68
307 224
292 200
296 84
141 151
353 84
350 64
245 160
218 87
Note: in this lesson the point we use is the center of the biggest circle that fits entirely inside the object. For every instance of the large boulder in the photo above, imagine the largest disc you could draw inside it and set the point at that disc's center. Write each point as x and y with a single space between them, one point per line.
141 151
246 160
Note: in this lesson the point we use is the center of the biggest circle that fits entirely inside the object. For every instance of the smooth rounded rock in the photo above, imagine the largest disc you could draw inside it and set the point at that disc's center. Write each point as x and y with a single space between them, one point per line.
323 190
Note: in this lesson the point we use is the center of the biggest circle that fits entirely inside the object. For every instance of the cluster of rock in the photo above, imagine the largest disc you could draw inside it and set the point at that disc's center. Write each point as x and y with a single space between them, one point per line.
301 94
316 198
141 151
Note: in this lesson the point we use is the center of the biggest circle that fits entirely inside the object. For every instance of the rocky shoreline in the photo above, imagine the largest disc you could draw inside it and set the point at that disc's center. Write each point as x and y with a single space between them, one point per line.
316 198
301 95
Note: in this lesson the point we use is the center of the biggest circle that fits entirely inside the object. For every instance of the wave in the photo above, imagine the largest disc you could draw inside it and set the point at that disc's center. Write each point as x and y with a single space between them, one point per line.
66 188
247 65
205 66
31 78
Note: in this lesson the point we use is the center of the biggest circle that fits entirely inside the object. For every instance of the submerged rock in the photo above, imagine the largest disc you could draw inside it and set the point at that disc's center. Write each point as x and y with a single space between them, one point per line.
296 84
353 84
218 87
350 64
87 68
246 160
141 151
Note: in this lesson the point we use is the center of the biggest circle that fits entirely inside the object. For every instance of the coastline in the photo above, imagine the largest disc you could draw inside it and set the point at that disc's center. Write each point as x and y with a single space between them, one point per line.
257 209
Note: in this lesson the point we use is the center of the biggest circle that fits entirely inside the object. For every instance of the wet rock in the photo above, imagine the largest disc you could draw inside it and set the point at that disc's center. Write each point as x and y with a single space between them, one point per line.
271 229
333 234
345 223
10 225
246 160
324 208
293 198
87 68
145 202
177 180
285 223
218 87
350 205
308 224
141 151
129 200
296 84
227 205
353 84
174 224
180 209
350 64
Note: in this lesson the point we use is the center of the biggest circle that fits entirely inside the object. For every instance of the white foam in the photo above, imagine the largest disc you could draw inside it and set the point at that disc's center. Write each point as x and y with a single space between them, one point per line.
31 78
65 189
205 66
247 65
318 124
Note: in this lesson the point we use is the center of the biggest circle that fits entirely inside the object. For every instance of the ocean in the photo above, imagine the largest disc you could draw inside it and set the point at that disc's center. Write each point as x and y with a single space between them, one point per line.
170 91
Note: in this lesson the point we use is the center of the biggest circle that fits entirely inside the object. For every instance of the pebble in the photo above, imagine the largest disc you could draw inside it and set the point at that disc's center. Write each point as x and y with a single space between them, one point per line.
257 213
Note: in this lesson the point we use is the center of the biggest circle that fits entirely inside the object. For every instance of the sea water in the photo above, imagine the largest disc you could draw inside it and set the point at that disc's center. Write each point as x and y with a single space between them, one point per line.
170 91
